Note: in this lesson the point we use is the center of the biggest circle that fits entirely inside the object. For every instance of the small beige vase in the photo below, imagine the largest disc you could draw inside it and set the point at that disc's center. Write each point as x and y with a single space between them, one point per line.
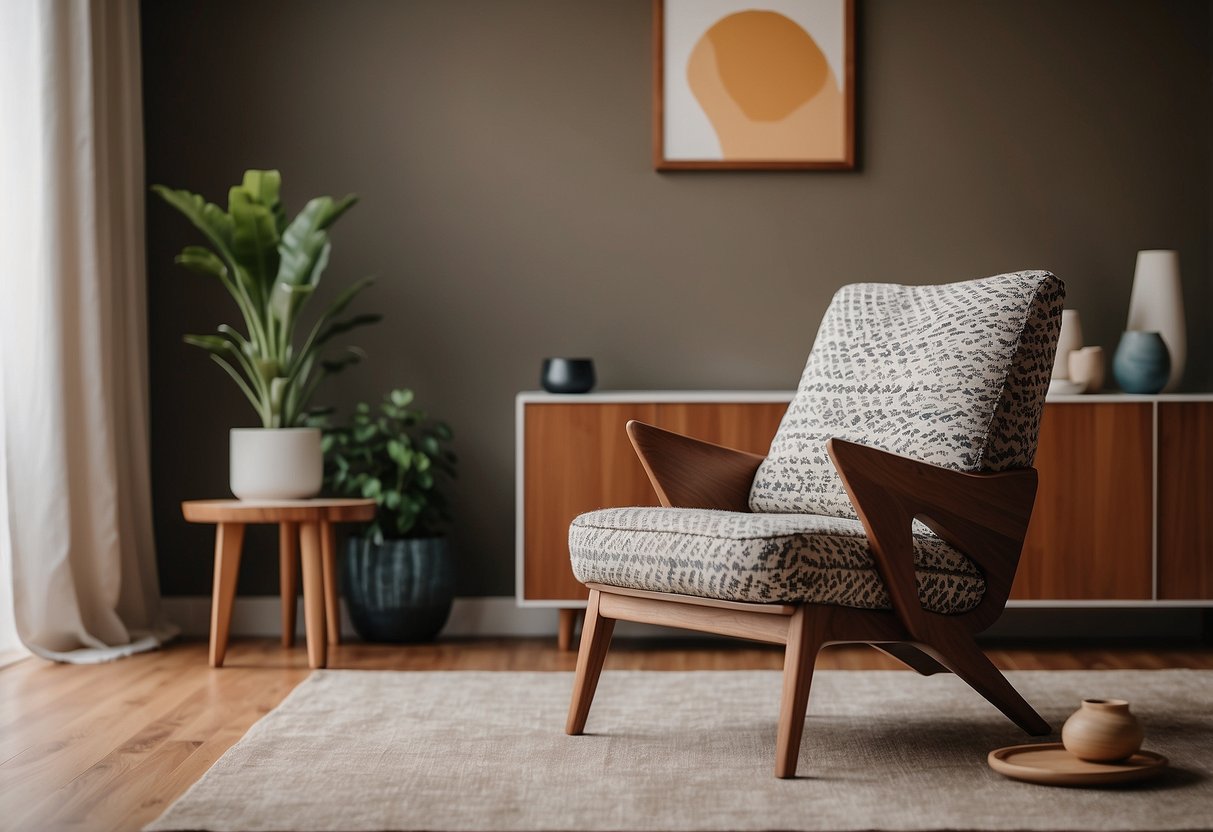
1087 368
1102 731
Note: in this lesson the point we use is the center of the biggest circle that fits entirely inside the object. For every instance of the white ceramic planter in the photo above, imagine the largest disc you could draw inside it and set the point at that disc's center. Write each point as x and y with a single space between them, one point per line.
276 463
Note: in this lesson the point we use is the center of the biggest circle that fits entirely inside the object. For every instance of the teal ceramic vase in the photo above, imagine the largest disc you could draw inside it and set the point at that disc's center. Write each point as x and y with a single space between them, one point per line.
1142 363
399 590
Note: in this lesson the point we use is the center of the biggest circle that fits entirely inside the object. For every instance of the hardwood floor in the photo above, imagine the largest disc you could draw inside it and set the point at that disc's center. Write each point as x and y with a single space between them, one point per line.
109 746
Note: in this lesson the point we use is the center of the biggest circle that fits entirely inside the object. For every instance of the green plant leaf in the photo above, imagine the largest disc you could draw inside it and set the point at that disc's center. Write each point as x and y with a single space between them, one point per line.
254 239
338 306
238 339
345 298
286 298
268 369
202 261
277 391
251 246
345 325
207 217
302 241
352 355
211 343
263 186
399 454
340 207
258 403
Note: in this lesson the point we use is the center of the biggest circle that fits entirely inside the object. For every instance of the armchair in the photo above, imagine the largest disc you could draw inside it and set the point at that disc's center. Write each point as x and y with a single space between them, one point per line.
891 509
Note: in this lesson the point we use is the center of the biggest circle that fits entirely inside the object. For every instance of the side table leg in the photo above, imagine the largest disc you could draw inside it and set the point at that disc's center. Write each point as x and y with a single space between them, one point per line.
288 578
332 604
229 537
313 593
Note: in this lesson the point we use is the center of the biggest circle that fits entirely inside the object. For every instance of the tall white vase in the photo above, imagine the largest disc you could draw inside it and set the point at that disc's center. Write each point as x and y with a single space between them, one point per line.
1068 340
1157 305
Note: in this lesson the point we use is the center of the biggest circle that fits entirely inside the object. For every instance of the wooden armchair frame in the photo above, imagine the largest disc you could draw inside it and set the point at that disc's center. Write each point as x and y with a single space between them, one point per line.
985 516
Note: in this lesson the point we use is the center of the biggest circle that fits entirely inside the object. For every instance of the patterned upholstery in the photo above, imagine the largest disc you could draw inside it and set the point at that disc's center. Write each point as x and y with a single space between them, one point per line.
952 375
758 557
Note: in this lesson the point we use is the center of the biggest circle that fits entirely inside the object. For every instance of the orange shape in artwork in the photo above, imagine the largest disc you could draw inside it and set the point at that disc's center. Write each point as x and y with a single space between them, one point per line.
767 89
768 64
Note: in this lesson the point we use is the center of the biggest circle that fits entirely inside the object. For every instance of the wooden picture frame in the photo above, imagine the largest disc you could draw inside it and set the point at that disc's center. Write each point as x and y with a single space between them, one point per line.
727 124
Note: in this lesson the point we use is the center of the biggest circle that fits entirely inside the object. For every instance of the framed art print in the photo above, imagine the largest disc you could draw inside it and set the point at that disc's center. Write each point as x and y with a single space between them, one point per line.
764 84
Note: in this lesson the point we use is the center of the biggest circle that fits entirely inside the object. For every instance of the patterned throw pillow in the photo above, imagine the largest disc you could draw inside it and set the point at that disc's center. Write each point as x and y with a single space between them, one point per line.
953 375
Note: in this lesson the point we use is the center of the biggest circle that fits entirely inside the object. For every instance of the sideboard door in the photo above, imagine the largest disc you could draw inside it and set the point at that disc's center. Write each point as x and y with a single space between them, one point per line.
577 459
1092 526
1185 501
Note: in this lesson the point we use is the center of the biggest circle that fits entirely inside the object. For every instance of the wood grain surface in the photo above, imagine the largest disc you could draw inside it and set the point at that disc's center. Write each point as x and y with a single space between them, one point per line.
690 473
1185 500
1091 529
109 746
334 510
578 458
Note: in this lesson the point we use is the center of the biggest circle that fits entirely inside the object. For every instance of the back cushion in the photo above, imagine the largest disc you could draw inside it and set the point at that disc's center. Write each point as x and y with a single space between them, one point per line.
953 375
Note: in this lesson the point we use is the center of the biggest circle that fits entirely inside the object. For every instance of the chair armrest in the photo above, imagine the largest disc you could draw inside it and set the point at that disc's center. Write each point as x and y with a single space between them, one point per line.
690 473
985 516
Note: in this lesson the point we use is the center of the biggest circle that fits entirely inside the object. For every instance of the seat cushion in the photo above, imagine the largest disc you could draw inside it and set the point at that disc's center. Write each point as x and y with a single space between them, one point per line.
763 558
954 375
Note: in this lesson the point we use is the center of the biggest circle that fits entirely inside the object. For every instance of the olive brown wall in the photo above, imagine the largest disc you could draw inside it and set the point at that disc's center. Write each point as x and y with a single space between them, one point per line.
501 149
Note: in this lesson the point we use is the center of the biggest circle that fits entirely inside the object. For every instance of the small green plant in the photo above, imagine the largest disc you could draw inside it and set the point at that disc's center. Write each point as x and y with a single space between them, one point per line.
270 267
396 456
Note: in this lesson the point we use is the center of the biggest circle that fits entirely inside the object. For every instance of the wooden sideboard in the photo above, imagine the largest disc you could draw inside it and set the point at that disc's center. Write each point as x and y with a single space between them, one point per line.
1123 517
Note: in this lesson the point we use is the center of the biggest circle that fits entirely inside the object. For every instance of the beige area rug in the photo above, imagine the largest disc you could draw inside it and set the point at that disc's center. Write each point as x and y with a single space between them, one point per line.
379 750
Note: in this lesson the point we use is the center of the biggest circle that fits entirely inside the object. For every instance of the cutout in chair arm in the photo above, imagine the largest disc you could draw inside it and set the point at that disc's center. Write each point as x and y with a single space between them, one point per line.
691 473
985 516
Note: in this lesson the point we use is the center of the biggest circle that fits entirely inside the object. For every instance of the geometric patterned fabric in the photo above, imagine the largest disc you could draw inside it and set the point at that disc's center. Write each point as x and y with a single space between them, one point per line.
953 375
762 558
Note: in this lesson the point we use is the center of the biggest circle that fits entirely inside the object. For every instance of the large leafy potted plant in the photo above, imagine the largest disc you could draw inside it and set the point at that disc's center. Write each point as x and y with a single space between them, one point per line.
397 576
271 267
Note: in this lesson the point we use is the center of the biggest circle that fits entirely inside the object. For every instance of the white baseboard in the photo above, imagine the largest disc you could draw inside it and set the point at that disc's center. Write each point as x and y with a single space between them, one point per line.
500 616
260 615
494 616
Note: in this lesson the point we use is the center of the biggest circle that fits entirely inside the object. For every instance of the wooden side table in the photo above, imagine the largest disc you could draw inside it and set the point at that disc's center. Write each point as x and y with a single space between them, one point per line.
304 526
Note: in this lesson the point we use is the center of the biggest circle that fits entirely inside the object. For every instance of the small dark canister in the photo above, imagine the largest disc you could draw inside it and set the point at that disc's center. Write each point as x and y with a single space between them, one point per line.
567 375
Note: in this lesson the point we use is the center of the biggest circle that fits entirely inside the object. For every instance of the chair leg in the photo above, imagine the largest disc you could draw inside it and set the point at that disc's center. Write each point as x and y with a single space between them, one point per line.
804 640
911 657
965 659
595 641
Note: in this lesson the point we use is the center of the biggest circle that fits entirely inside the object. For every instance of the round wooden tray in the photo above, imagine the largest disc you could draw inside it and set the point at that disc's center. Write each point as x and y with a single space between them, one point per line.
1051 765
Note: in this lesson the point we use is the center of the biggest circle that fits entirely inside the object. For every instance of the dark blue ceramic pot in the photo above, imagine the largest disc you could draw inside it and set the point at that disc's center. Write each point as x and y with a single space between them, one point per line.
398 591
1142 363
568 375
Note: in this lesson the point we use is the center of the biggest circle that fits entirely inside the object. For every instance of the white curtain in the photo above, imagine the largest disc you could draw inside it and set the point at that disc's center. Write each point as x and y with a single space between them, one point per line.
73 371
